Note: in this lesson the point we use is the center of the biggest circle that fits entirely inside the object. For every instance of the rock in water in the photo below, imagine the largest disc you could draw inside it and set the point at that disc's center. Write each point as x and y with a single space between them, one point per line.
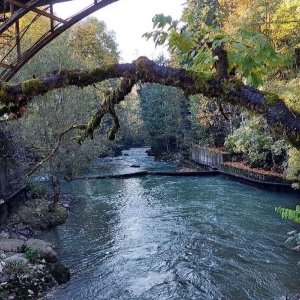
61 273
135 166
44 249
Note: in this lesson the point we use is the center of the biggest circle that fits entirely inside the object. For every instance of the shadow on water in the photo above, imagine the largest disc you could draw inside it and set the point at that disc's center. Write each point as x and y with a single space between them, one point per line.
174 238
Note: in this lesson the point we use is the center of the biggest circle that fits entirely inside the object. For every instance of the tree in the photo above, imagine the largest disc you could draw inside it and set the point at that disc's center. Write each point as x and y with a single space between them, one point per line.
39 130
129 111
14 98
212 122
92 43
163 123
210 56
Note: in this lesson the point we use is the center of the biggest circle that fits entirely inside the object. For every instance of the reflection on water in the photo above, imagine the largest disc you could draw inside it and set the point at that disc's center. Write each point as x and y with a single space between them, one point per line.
174 238
122 164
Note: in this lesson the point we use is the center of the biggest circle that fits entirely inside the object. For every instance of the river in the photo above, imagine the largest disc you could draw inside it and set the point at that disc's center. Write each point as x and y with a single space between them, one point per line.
175 238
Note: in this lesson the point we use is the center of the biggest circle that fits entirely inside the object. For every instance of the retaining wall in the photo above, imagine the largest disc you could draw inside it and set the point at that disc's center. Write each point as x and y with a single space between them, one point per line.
208 157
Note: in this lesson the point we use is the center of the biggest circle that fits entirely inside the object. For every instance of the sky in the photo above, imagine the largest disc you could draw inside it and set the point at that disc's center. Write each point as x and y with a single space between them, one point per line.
129 19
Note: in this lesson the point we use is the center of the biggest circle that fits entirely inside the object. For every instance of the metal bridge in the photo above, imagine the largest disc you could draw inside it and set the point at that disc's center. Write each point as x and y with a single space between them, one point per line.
14 53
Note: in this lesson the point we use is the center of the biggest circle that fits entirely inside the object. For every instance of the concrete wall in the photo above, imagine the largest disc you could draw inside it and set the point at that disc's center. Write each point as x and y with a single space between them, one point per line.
208 157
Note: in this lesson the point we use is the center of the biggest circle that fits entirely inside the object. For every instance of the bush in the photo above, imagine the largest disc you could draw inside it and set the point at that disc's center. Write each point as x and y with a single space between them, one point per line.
32 254
289 214
16 267
36 190
4 294
258 145
293 169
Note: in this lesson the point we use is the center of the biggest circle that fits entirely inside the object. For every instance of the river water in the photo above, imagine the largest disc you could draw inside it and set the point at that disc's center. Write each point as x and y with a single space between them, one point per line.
176 238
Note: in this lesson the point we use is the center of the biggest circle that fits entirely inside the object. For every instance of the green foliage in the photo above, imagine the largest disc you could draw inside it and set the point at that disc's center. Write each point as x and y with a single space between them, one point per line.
251 54
16 267
36 190
289 214
255 140
293 168
131 132
163 113
32 254
92 43
4 295
250 139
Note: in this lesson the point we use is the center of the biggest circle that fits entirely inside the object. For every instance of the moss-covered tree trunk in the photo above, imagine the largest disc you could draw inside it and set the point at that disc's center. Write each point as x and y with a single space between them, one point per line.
14 98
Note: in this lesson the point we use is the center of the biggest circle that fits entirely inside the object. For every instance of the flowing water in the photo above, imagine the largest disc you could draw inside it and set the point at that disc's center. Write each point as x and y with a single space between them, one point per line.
174 238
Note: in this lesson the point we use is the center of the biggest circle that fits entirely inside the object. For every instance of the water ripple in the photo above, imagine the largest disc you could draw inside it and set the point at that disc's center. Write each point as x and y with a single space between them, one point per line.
175 238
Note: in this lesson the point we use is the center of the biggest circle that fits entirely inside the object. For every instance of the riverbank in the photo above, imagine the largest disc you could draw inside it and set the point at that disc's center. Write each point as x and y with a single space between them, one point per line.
30 267
223 162
163 236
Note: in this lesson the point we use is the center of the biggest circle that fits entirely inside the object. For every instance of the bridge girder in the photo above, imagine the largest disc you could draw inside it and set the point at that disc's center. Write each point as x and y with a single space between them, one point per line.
13 56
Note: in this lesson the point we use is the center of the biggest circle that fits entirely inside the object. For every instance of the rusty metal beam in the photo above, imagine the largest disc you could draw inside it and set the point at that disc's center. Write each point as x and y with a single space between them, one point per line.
5 9
5 66
57 26
9 21
51 20
38 11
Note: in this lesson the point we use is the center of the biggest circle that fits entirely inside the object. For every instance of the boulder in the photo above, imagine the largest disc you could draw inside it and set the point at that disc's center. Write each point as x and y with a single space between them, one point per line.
12 245
18 256
4 234
61 273
45 249
135 166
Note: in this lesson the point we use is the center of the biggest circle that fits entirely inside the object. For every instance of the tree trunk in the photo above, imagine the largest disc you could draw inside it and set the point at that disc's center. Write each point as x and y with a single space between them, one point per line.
15 98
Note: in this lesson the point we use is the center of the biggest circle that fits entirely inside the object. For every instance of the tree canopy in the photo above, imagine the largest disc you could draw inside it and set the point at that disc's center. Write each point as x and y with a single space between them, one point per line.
216 60
14 98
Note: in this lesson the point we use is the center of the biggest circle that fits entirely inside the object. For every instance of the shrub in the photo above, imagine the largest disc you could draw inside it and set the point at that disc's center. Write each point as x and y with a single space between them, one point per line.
32 254
260 147
4 294
293 169
289 214
36 190
16 267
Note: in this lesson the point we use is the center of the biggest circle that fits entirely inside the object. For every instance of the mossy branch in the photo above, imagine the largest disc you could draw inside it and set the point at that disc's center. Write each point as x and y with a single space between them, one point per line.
55 150
14 98
107 107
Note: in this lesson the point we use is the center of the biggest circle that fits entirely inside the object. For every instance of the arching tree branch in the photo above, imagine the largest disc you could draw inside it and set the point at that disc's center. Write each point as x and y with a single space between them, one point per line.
15 97
54 151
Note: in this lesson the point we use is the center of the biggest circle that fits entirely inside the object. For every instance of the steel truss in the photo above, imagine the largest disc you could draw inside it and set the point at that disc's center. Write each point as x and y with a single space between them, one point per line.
12 55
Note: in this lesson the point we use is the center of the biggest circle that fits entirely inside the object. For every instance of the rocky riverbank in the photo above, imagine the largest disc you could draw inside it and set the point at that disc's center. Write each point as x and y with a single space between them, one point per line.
29 267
